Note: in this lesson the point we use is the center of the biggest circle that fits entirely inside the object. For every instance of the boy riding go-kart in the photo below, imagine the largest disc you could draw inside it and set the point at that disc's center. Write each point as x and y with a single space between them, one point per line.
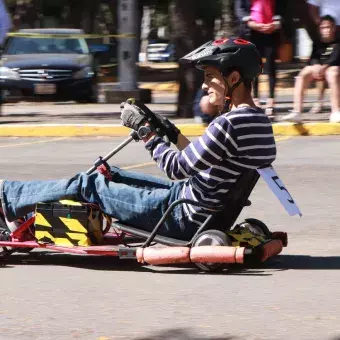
214 176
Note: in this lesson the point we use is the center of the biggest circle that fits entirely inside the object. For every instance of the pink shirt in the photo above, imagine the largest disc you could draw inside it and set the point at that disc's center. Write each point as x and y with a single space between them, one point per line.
262 11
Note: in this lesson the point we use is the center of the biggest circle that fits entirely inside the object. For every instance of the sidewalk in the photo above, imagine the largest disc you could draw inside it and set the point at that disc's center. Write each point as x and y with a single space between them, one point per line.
69 119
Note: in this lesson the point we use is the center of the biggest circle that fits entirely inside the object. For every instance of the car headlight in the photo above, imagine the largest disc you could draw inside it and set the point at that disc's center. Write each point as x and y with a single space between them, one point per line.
85 72
7 73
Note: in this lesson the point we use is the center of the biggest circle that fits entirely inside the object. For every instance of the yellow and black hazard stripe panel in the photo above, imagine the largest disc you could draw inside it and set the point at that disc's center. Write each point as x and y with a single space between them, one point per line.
68 223
244 237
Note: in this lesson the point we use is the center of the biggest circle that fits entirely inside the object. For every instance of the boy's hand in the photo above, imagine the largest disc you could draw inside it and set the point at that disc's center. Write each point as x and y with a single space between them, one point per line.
132 116
135 114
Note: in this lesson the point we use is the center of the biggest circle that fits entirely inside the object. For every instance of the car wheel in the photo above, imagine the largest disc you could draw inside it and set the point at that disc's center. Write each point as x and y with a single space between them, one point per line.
92 97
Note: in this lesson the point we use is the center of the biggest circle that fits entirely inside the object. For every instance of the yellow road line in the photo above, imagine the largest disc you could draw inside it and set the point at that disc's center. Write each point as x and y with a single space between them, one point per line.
279 139
35 142
138 165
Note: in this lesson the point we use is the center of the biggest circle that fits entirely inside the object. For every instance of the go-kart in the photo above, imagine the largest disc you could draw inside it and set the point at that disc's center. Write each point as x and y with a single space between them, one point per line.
81 228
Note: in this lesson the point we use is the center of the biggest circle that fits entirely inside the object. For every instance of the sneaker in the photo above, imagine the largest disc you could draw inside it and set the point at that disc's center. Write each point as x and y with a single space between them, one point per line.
4 235
294 116
335 117
316 108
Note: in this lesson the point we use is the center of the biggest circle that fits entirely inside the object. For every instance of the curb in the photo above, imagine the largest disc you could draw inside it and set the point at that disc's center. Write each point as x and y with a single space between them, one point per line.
117 130
173 87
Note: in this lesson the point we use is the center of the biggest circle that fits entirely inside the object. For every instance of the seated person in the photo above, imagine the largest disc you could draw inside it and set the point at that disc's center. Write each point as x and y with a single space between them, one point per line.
235 142
324 63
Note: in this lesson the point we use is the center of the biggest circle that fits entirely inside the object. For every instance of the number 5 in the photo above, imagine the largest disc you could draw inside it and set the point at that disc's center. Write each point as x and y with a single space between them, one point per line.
281 186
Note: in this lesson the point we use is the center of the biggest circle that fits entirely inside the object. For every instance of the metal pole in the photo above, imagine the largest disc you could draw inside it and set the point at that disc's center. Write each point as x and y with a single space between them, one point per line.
127 47
113 152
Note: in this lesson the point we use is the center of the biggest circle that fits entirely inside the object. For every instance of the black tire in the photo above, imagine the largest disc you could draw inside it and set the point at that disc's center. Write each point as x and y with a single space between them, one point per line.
91 97
217 238
4 253
258 227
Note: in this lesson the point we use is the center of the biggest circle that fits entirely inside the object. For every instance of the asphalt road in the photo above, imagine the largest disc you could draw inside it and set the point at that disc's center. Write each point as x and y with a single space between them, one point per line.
294 296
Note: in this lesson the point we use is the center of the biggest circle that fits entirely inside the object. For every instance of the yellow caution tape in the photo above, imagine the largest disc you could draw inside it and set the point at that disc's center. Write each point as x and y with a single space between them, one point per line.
63 35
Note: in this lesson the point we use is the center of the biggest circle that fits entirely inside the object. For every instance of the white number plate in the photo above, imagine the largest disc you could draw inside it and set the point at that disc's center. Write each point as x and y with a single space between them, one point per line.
278 188
45 89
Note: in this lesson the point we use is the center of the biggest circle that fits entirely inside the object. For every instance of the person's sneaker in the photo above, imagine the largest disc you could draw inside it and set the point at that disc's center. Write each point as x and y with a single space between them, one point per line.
335 117
294 116
316 108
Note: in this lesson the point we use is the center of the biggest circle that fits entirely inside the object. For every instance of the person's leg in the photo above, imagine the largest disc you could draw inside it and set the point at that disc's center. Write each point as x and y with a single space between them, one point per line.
317 107
139 180
270 54
138 207
301 83
333 80
257 39
256 91
1 100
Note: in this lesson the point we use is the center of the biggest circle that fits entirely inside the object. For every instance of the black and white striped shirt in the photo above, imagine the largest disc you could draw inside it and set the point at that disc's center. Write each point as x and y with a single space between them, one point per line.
236 141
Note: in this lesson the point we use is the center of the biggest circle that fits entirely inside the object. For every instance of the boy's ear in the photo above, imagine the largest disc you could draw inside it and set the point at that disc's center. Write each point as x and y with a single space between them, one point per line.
235 77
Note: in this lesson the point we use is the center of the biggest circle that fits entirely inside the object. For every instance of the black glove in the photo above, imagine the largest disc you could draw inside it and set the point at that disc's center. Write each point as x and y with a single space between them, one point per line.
168 128
161 125
131 115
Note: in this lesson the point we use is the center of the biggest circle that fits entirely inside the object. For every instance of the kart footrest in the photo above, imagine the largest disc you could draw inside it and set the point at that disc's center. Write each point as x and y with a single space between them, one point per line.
145 234
280 235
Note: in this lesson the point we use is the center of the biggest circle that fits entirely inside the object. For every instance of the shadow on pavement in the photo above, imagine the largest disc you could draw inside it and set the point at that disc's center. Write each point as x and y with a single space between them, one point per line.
109 263
304 262
183 334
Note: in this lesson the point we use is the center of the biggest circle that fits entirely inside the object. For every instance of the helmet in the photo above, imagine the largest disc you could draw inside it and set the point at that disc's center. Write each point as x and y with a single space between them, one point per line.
225 54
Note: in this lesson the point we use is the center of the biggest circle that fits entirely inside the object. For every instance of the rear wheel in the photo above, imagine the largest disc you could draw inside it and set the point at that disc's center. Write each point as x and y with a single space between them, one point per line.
256 227
211 238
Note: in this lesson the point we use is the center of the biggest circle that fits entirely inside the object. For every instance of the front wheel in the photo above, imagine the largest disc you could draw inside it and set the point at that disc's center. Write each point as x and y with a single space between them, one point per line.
257 227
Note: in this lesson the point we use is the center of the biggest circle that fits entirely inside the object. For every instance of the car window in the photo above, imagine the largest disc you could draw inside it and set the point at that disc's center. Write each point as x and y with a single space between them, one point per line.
23 45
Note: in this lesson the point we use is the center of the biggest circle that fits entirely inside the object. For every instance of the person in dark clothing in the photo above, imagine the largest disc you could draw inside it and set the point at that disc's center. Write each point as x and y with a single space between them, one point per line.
324 64
265 34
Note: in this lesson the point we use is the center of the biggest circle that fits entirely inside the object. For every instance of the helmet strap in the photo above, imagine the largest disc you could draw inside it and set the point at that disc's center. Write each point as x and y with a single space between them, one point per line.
229 93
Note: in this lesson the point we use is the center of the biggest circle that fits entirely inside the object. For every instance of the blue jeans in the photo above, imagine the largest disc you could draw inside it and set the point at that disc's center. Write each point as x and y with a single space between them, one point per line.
134 199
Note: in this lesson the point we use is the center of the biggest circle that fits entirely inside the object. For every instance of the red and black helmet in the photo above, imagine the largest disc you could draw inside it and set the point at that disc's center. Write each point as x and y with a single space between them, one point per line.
226 54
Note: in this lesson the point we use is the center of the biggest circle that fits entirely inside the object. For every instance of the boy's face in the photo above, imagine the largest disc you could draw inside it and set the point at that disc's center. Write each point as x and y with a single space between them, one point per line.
214 85
327 31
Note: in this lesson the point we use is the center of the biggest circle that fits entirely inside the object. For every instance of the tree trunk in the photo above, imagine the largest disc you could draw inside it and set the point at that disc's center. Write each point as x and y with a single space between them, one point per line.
89 9
74 15
183 34
229 21
300 8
